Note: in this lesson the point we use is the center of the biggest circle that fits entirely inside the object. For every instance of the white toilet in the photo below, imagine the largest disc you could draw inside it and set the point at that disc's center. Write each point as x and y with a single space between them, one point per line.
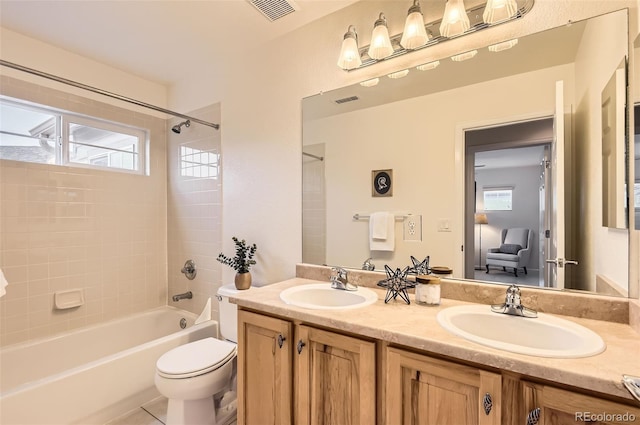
199 378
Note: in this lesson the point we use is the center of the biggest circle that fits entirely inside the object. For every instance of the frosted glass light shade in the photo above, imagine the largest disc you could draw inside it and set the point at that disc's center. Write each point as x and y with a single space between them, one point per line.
370 83
455 20
505 45
414 35
380 46
349 54
464 56
499 10
428 66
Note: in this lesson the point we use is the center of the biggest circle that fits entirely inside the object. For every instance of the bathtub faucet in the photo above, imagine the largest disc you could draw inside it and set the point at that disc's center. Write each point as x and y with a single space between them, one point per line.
186 295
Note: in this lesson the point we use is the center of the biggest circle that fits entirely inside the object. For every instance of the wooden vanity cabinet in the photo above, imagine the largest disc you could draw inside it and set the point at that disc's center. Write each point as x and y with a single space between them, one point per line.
264 369
548 405
430 391
295 373
335 380
300 374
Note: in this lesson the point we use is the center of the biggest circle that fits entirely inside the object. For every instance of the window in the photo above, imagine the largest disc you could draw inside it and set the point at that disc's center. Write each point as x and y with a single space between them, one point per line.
498 199
34 133
198 163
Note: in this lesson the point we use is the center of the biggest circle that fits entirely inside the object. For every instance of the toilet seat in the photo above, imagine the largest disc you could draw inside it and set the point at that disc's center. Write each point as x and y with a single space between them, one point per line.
195 358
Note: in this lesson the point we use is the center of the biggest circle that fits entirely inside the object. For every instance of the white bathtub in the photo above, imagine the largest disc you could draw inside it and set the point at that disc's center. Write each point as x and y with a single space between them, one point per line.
92 374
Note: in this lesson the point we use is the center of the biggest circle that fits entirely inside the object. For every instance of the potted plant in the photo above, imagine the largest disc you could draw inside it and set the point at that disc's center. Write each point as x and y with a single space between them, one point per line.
241 262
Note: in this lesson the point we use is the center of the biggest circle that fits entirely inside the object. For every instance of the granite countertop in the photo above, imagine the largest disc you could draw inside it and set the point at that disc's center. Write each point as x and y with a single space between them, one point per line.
415 326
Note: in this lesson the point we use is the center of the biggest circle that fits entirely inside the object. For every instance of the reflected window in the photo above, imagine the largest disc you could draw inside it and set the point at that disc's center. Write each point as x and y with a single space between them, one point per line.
498 199
198 163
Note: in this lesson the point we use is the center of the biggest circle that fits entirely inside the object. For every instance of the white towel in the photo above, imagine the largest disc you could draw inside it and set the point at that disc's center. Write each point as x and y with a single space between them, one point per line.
382 231
378 223
3 284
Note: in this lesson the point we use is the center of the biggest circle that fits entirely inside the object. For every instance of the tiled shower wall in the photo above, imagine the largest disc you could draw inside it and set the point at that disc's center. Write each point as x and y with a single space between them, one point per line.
66 227
195 210
313 205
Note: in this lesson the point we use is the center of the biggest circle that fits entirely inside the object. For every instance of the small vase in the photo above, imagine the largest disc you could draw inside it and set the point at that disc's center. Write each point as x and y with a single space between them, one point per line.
243 280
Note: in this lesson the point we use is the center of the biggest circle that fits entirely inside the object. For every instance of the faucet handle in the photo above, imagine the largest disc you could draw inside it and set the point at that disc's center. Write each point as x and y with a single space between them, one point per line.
338 273
513 296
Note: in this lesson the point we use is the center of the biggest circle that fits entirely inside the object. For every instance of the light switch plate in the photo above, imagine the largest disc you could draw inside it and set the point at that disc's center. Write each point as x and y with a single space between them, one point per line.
444 225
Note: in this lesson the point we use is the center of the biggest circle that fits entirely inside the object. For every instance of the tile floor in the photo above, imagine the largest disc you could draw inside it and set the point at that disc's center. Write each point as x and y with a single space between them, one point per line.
151 413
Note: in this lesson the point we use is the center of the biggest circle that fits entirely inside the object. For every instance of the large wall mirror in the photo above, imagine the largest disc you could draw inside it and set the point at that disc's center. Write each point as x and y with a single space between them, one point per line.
474 152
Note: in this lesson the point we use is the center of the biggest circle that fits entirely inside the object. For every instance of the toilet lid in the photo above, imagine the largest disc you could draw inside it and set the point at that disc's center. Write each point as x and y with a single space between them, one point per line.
195 358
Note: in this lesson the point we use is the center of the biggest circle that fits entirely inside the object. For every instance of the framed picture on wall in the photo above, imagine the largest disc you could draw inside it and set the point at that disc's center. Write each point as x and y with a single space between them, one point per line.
381 183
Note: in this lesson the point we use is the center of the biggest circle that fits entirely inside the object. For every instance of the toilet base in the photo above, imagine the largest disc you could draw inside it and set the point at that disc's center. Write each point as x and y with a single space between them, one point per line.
191 412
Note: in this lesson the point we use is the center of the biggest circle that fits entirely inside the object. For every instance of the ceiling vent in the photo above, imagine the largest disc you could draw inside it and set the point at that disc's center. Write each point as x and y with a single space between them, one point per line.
347 99
274 9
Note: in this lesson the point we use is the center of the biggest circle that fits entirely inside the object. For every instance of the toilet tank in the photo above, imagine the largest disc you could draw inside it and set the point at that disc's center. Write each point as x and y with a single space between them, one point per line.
228 313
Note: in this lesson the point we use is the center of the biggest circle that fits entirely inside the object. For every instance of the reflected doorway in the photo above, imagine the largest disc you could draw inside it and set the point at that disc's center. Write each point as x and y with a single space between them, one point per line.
508 174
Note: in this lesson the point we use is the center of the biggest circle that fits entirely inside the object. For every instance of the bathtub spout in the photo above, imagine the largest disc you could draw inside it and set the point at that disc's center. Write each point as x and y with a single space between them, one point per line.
186 295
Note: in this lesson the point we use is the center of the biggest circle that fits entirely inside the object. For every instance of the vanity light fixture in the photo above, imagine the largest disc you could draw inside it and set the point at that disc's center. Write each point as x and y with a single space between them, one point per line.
349 54
370 83
380 46
414 34
505 45
417 35
398 74
464 56
455 20
428 66
499 10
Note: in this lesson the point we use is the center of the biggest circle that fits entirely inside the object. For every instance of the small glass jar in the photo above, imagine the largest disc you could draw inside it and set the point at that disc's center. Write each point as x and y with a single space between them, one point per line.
428 290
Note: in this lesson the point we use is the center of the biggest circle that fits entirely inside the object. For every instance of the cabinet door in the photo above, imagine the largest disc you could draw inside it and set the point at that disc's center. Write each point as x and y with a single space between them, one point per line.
335 378
546 405
264 370
428 391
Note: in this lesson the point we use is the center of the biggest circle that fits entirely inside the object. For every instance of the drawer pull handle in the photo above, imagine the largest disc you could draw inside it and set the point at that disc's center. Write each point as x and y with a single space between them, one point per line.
281 340
533 417
300 345
487 403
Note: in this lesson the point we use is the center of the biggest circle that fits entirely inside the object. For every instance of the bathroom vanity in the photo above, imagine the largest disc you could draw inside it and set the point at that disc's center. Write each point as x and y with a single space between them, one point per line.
394 364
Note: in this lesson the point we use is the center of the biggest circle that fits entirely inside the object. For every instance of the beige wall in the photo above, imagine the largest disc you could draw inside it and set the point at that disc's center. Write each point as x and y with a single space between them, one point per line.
65 228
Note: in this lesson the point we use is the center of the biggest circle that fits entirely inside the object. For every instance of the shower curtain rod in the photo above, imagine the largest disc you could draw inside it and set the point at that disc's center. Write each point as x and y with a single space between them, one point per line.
321 158
104 92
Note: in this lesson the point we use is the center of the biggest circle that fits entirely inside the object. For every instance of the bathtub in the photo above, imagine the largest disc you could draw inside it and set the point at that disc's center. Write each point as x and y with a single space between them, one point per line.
93 374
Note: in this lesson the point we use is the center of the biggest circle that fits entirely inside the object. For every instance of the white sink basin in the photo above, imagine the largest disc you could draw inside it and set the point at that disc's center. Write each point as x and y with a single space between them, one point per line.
544 336
320 296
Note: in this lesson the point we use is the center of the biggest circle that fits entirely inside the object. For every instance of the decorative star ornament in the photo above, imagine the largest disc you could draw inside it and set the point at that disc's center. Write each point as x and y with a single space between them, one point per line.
420 267
396 284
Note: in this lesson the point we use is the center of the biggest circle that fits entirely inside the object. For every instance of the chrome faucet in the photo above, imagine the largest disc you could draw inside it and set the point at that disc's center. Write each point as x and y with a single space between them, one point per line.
187 295
339 280
512 304
368 265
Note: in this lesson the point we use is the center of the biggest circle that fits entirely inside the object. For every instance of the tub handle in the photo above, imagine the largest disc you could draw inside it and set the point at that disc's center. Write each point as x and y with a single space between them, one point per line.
281 340
189 269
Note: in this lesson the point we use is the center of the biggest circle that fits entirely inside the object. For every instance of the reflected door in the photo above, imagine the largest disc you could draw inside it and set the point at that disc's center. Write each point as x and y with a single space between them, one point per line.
555 253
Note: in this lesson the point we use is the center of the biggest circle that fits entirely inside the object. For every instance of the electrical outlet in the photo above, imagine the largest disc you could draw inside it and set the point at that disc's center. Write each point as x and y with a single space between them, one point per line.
413 228
444 225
